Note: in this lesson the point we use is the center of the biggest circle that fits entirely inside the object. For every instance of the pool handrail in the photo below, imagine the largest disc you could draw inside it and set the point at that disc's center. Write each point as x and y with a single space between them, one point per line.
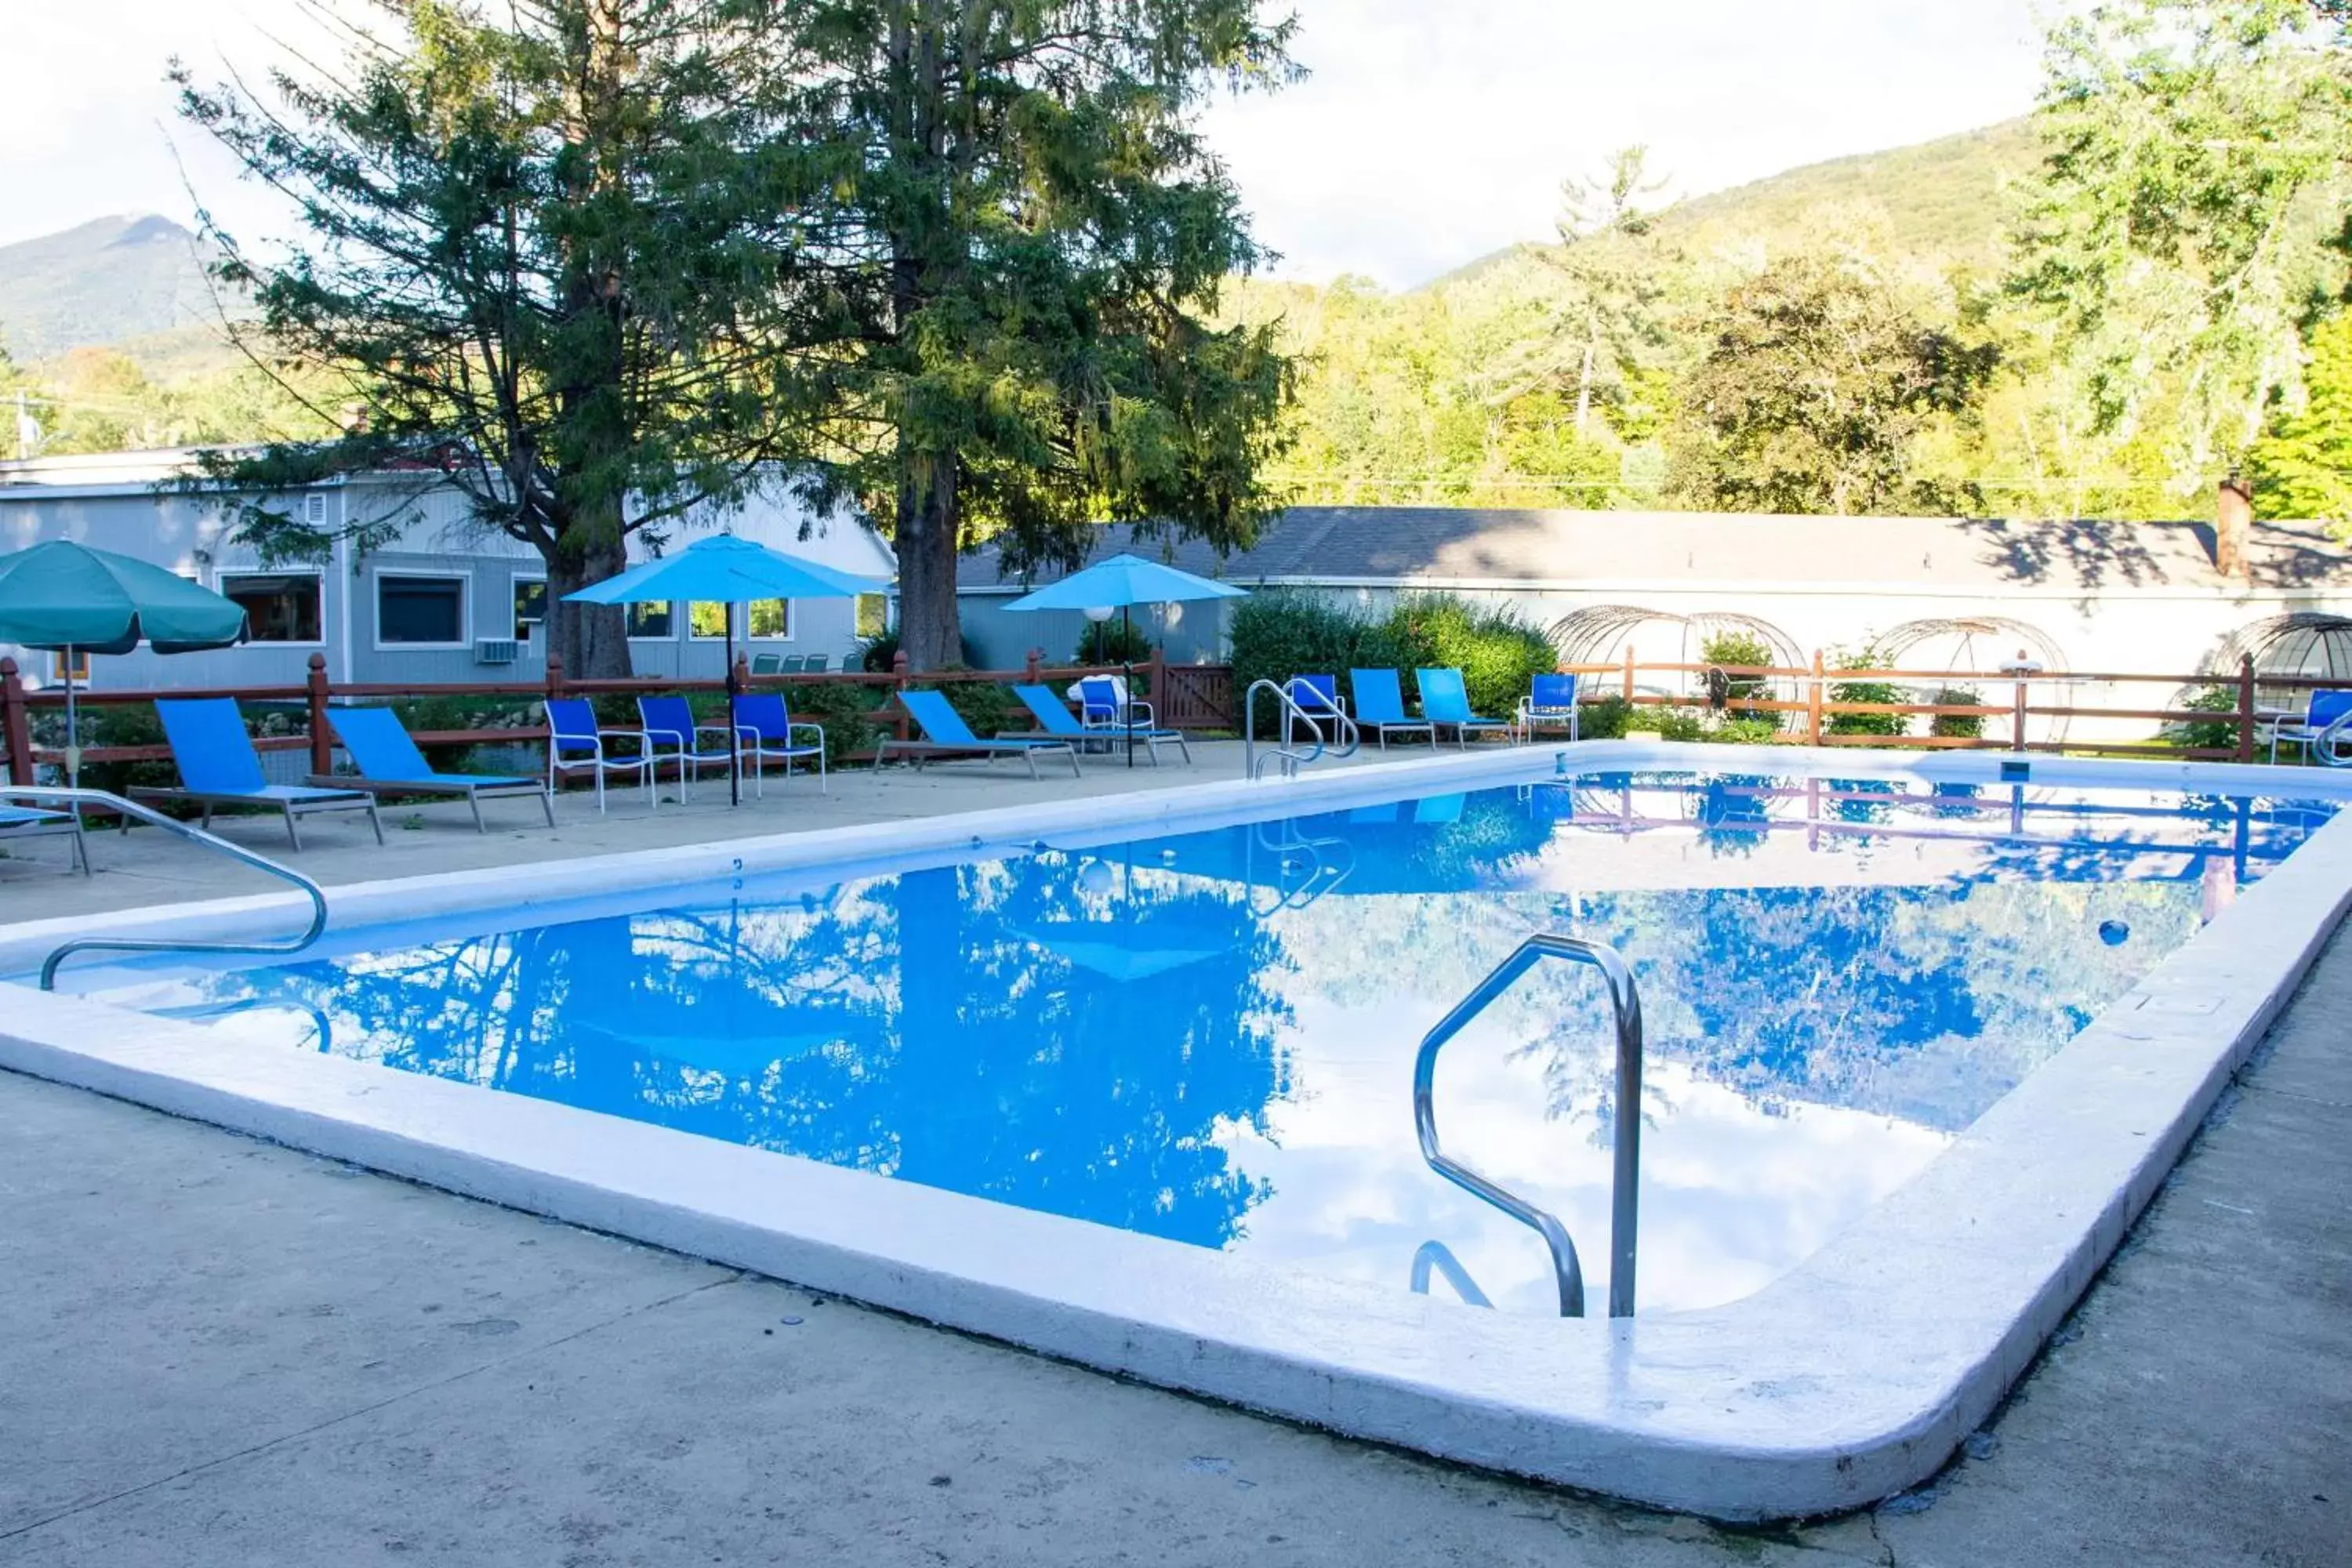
130 808
1625 1003
1291 761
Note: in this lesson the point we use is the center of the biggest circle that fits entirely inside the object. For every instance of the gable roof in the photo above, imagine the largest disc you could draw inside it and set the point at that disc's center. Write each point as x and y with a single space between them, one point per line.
1510 547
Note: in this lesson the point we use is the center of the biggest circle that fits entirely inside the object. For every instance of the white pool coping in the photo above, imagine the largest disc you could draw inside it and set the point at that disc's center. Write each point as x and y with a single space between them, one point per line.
1849 1379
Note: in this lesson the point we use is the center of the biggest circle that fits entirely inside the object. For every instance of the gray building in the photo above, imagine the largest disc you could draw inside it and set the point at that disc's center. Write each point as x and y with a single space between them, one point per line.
445 602
2152 598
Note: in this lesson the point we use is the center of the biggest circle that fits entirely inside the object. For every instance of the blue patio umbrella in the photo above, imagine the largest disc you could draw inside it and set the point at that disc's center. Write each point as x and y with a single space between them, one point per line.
1119 583
725 570
64 597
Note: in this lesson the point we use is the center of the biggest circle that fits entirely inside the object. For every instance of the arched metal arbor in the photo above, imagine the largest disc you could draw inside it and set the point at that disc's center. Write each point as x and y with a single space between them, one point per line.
1978 644
2307 646
1601 633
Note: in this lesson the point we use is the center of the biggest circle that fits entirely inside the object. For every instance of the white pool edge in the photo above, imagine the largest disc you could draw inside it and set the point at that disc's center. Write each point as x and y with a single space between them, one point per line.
1851 1378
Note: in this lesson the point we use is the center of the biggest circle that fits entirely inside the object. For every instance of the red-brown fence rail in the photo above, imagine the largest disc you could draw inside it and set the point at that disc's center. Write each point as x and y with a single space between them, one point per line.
1187 697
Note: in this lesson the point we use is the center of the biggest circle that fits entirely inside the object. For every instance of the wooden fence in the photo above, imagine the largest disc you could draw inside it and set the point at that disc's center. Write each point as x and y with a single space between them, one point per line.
1202 697
1189 697
2028 694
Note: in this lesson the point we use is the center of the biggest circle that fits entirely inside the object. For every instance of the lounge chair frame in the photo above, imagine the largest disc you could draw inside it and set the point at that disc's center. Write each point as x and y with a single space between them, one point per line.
448 786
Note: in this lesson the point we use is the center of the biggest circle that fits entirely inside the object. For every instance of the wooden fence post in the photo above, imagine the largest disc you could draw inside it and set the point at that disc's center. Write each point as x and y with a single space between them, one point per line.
554 678
1814 703
322 744
1629 672
2246 709
899 680
16 725
2017 711
1030 666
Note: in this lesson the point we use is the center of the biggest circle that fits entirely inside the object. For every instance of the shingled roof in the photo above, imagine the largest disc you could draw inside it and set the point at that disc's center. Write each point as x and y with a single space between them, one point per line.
1501 547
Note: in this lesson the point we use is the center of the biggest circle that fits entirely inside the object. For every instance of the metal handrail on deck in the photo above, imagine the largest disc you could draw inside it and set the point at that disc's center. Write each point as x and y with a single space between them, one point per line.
1291 761
77 798
1625 1003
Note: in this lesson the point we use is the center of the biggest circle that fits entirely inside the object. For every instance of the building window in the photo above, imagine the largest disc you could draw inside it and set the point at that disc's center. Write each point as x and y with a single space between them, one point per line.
650 623
706 622
279 606
873 615
76 668
530 607
770 619
420 611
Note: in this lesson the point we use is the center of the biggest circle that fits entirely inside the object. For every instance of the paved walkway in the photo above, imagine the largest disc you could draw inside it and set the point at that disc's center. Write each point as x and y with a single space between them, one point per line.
222 1352
147 866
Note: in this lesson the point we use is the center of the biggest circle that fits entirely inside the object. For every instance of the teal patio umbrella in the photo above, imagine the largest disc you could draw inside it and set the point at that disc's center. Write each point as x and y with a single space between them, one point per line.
1119 583
725 570
60 597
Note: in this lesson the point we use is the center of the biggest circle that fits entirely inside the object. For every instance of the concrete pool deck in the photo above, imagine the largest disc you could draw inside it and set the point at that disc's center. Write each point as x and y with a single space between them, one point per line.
147 866
223 1351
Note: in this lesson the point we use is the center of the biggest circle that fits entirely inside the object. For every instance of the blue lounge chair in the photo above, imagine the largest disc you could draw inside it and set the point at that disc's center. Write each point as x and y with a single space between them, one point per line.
218 767
37 822
673 736
767 663
818 663
1446 704
389 763
1379 706
1056 721
1318 698
2329 711
1549 705
764 732
574 742
945 734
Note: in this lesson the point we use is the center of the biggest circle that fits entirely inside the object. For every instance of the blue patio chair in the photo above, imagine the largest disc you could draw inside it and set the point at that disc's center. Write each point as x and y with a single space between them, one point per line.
1318 698
218 767
1445 703
945 734
765 733
767 663
38 822
2321 729
1056 721
574 742
1111 709
1550 704
818 663
790 663
673 736
389 763
1379 706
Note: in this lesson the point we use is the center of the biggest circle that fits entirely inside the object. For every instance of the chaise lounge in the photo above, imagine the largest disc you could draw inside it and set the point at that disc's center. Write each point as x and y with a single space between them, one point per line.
218 767
945 734
389 763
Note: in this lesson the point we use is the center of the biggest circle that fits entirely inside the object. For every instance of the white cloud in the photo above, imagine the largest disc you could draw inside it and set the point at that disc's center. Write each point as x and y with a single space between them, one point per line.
1428 135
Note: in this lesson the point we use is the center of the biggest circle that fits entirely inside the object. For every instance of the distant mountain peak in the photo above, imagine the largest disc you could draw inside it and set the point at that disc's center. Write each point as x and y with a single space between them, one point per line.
150 228
129 275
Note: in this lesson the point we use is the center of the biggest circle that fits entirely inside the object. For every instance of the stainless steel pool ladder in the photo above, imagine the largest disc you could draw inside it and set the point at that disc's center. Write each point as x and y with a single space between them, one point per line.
79 798
1287 709
1625 1003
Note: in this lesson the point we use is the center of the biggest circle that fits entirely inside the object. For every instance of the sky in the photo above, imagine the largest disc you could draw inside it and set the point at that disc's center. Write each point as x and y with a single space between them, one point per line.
1429 132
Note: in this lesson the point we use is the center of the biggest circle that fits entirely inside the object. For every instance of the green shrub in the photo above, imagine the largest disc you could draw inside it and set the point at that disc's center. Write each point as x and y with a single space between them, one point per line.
1734 650
1958 726
1864 692
875 655
1605 720
2205 734
1498 652
1280 634
1760 730
1112 642
1680 724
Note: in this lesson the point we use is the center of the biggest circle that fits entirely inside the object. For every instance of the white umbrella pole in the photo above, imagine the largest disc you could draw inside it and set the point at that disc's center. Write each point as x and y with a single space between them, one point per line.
73 729
734 744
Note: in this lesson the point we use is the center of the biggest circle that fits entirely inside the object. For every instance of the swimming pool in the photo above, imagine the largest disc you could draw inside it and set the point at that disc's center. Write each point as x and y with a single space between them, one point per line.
1209 1037
1126 1079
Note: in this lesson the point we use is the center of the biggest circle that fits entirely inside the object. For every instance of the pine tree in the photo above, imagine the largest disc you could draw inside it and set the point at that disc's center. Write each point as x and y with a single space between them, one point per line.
2303 463
1032 237
553 247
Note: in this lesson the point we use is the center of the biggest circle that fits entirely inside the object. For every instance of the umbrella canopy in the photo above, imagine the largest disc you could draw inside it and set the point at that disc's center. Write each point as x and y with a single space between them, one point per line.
725 570
1125 580
62 595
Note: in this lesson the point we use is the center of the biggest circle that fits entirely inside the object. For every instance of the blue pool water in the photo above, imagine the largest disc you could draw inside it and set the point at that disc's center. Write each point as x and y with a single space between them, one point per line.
1209 1036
